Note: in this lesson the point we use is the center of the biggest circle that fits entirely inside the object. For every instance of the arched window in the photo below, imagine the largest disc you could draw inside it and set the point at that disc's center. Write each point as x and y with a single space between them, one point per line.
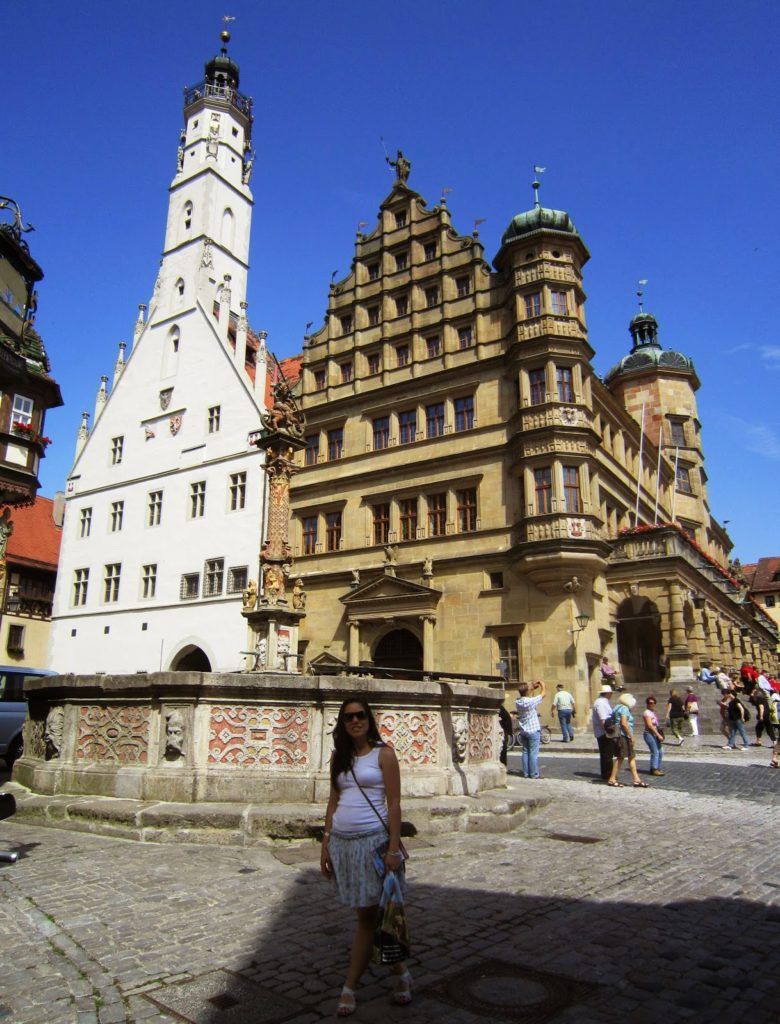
187 215
180 287
228 228
170 358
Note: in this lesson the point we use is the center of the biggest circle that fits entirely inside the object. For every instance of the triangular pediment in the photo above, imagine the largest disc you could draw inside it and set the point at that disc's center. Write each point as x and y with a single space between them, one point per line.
388 595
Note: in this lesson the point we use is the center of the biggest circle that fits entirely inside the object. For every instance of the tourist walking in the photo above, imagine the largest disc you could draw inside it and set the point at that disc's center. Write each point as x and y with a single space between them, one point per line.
675 714
600 715
624 721
691 706
563 704
505 721
529 726
737 713
653 736
364 811
759 698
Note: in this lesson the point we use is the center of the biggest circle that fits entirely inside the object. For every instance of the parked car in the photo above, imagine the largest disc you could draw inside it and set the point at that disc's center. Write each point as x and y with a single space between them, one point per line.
13 708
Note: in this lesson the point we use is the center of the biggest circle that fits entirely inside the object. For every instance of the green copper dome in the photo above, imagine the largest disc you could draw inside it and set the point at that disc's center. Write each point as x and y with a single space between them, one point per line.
646 352
534 220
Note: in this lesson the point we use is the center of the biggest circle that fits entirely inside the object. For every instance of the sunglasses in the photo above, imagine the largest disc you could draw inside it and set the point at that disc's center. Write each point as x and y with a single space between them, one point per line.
354 716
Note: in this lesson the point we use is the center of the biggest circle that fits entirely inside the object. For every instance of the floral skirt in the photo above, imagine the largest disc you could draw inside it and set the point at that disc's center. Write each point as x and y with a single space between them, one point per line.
352 858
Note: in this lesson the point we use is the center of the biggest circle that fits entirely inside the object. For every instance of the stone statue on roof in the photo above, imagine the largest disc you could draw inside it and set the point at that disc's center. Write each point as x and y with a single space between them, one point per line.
402 166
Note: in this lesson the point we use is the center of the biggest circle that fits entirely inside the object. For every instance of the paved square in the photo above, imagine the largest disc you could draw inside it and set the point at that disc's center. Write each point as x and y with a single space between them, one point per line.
225 997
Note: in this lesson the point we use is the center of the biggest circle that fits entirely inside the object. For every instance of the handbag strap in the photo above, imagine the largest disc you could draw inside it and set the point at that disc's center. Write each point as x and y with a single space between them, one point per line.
368 798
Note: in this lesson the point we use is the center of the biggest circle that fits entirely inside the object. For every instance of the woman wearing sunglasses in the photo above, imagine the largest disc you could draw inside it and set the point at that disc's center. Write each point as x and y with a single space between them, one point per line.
364 810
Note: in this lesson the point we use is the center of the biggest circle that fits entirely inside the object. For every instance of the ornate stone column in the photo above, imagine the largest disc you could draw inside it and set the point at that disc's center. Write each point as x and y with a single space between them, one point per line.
428 622
680 668
353 657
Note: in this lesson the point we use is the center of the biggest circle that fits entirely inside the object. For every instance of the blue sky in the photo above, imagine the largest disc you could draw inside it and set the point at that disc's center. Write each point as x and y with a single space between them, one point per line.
657 124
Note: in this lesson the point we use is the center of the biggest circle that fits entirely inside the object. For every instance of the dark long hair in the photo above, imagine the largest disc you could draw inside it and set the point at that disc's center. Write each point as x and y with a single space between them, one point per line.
344 750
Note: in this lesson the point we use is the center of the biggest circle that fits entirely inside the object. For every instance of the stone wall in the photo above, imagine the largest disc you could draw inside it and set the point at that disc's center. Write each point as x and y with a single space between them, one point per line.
191 737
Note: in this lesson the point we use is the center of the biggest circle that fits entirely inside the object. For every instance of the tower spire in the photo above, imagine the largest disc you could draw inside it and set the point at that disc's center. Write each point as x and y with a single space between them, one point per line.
536 184
640 293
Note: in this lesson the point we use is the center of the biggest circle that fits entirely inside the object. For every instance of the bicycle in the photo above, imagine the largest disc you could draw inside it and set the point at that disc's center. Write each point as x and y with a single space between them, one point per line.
516 739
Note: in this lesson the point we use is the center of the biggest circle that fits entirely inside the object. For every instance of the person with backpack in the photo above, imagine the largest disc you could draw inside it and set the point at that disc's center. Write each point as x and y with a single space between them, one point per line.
760 701
624 726
737 715
676 716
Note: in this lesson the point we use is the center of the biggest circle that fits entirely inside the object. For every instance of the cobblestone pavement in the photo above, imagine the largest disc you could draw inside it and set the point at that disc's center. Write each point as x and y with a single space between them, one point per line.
652 905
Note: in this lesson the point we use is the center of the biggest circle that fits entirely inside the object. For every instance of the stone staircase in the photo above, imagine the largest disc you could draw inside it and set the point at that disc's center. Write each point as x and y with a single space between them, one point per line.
708 694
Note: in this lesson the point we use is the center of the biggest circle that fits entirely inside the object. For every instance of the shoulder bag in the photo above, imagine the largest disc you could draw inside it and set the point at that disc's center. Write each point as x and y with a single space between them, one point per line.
381 850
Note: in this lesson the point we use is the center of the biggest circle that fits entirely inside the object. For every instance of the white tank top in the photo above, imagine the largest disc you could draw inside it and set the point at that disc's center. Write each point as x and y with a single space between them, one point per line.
353 813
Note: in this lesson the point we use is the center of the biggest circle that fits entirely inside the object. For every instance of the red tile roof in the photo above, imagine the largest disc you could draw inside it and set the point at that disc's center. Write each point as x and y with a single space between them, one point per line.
36 539
766 571
291 368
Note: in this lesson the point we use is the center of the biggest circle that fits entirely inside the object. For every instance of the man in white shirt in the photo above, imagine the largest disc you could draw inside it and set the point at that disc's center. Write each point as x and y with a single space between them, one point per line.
563 706
602 712
763 682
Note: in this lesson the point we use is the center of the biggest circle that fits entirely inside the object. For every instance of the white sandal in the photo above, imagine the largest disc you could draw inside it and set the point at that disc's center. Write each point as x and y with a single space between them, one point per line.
403 989
345 1008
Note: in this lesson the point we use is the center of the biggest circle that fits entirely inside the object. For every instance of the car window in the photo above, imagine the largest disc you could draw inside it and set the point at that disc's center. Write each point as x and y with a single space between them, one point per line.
12 686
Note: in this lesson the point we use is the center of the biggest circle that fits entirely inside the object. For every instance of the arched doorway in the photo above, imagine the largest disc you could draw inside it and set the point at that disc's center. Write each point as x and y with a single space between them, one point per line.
639 640
191 659
399 649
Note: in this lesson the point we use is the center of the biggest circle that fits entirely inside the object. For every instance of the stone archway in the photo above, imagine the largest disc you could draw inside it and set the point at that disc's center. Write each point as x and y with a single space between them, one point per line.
639 640
399 648
191 659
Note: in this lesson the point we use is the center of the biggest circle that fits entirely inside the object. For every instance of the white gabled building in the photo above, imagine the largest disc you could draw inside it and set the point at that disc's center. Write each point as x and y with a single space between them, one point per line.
162 524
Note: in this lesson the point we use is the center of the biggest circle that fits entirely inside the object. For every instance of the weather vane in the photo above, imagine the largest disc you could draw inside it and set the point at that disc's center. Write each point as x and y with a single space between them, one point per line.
536 184
224 34
641 292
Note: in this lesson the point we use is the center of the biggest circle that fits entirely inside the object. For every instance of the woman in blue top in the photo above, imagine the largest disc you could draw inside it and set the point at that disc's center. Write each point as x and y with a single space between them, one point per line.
625 741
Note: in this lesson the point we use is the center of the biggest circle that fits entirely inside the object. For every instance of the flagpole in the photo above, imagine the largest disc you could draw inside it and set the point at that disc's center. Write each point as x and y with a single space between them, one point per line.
674 492
658 473
639 473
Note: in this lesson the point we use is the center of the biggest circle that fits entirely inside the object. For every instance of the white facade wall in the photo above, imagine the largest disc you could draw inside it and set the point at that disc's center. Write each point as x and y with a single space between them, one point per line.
181 367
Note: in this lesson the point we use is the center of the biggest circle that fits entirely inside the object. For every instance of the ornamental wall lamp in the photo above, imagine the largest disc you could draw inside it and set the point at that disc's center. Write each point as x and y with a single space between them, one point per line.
582 621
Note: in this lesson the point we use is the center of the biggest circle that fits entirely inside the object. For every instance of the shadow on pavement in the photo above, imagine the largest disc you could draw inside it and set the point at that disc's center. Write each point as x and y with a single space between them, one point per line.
481 956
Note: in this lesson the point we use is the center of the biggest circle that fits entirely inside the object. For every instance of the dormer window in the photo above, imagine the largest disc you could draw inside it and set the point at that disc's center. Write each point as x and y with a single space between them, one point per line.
346 324
373 271
400 218
429 251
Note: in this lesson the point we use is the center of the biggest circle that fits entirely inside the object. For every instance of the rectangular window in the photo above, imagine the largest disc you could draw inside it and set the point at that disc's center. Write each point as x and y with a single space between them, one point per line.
319 380
407 426
15 642
374 362
467 510
237 579
496 580
560 305
381 518
433 346
309 535
408 510
373 271
543 488
346 373
22 411
190 586
571 490
430 250
111 582
335 443
402 305
533 304
437 514
237 491
402 354
463 284
538 381
154 508
465 337
213 577
432 296
333 531
401 260
80 587
373 316
214 415
677 432
684 480
400 219
148 581
346 324
464 412
769 601
85 522
117 515
117 445
198 499
508 654
434 420
381 432
312 450
564 378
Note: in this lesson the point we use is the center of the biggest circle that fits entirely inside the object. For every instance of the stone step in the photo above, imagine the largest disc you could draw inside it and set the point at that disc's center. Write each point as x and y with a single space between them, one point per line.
239 824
